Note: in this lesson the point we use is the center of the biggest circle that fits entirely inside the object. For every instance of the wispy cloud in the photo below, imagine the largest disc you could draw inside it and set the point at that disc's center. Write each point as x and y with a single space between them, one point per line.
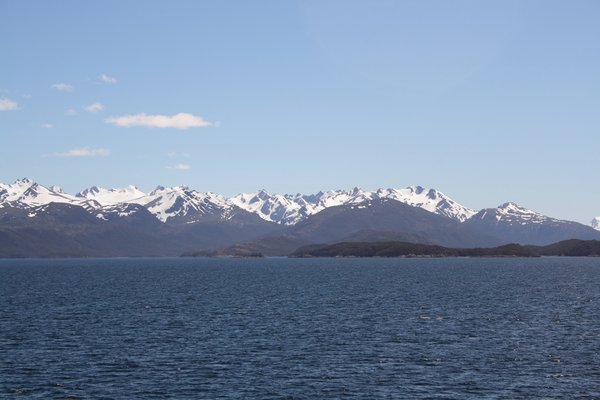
71 112
177 121
180 166
178 154
94 108
107 79
62 87
83 152
47 126
8 105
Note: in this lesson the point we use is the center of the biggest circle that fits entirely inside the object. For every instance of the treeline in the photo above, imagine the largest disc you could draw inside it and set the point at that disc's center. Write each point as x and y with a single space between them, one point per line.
404 249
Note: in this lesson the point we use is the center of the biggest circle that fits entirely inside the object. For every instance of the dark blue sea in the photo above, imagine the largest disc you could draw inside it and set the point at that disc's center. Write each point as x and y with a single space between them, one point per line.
300 328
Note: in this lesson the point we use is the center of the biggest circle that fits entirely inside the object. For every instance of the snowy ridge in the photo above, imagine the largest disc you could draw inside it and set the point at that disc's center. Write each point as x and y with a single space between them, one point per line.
514 214
184 203
291 209
25 193
181 203
107 197
284 209
596 223
165 203
430 200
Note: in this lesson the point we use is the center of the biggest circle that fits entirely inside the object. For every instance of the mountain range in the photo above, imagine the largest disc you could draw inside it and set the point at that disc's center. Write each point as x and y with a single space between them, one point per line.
40 221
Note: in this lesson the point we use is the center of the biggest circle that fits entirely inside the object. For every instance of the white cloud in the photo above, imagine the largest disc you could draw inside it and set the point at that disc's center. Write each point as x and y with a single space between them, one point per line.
47 126
62 87
177 121
83 152
107 79
94 108
71 112
180 166
7 104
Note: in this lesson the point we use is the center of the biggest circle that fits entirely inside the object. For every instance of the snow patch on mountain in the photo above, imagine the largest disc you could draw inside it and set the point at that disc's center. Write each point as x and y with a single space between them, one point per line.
108 197
596 223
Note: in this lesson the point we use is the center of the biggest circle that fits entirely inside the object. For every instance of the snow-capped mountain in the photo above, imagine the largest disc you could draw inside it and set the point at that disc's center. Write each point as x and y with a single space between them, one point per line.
333 198
107 197
513 223
282 209
291 209
36 220
430 200
178 203
175 204
184 204
26 193
513 214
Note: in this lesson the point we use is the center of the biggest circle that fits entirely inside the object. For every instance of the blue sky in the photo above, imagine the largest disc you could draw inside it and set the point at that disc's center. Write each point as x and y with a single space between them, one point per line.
486 101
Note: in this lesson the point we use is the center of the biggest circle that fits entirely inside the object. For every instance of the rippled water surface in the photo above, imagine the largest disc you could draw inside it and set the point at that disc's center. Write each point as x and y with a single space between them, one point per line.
300 329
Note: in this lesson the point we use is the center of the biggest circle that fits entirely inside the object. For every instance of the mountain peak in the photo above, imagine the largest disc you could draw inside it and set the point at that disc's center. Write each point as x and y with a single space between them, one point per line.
89 191
262 194
513 208
596 223
432 194
184 205
513 214
172 189
56 189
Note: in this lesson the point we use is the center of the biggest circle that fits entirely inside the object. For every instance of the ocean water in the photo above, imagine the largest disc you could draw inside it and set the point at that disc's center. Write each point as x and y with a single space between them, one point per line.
300 328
